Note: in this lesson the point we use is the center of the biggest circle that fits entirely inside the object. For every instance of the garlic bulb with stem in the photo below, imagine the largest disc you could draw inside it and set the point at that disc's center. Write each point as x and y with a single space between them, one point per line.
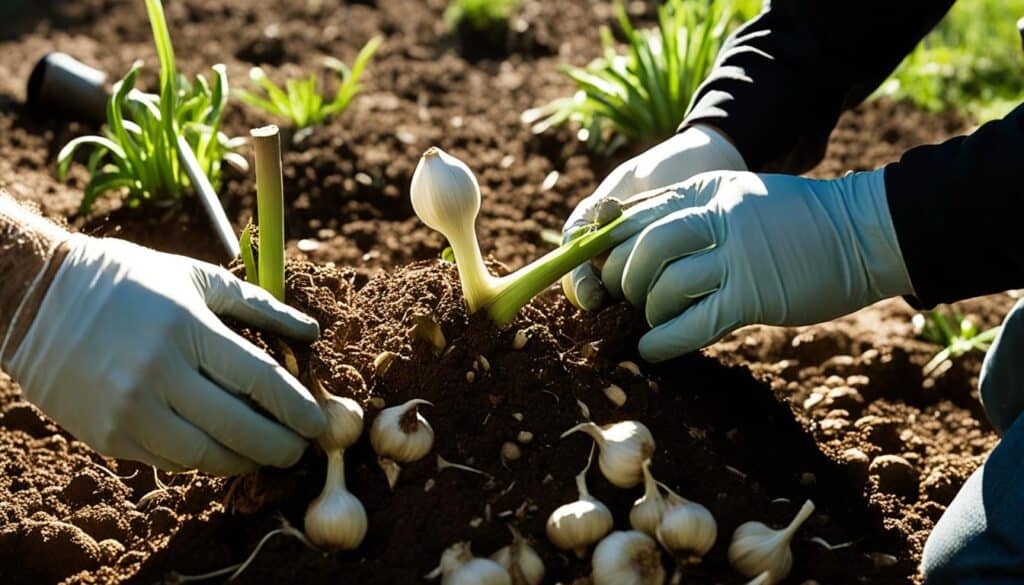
757 548
627 557
446 196
344 417
523 564
459 567
336 519
623 448
687 530
577 525
650 507
400 433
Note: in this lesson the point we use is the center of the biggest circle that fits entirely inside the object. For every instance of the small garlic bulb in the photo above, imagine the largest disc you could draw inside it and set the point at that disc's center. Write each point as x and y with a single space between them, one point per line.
756 548
459 567
336 518
577 525
400 433
627 558
523 564
650 507
624 447
687 530
344 422
446 196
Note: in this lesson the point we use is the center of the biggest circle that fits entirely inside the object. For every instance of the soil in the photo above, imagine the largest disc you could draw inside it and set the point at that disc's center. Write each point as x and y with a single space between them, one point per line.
838 412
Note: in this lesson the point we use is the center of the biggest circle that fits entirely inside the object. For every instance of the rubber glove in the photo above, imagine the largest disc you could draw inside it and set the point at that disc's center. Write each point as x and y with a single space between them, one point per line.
772 249
695 150
127 354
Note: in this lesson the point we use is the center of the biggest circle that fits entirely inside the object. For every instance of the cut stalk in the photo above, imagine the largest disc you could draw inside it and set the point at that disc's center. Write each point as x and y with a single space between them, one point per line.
270 208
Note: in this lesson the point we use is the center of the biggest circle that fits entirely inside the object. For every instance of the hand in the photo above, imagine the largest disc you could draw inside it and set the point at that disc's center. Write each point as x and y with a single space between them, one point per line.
695 150
126 353
771 249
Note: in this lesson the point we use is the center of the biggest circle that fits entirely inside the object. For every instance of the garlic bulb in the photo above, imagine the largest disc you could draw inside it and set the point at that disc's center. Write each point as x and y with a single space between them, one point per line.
756 548
577 525
687 530
400 433
624 447
446 197
336 518
627 558
650 507
459 567
344 422
523 564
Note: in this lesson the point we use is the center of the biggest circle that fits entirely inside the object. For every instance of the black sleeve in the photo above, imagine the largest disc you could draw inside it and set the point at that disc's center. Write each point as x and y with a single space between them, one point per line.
958 209
782 79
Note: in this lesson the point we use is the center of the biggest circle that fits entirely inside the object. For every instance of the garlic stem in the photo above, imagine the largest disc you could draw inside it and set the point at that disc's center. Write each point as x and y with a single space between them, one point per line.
801 516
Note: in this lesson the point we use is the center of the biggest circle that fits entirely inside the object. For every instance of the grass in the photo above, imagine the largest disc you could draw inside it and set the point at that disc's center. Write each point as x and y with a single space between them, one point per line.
138 152
641 95
479 15
300 101
972 62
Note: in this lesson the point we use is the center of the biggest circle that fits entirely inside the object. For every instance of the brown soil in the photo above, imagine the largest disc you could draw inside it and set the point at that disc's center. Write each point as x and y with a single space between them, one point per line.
838 412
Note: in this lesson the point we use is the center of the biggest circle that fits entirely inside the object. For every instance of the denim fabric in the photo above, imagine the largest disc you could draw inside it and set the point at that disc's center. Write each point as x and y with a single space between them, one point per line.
980 537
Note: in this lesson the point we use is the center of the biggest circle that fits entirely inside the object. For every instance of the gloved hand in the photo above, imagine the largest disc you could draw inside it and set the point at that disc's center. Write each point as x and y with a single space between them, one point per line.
126 353
772 249
695 150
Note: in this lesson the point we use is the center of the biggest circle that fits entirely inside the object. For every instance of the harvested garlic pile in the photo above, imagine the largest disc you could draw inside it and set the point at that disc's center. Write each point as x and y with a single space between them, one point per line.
400 434
757 549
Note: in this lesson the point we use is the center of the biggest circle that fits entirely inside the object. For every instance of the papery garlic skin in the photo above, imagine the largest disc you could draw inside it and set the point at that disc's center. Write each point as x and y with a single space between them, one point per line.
648 509
344 422
577 525
459 567
400 433
757 548
627 557
624 446
523 564
336 519
446 196
688 531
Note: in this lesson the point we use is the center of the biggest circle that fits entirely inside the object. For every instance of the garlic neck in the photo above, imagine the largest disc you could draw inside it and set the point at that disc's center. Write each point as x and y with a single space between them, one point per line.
478 284
805 512
335 470
650 484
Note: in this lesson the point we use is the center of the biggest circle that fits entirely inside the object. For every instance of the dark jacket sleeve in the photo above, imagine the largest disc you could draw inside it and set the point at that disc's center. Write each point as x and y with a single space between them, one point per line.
958 209
782 80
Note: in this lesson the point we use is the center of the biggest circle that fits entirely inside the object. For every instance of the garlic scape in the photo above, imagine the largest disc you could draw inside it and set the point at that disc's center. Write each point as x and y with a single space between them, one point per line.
577 525
523 564
459 567
446 196
758 549
627 558
400 434
623 448
336 518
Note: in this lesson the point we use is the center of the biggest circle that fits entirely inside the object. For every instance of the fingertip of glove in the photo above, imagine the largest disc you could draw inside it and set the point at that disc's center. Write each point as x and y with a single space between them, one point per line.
313 422
589 293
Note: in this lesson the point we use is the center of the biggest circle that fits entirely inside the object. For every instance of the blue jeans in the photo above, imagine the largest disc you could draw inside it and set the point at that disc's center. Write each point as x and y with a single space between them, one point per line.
980 537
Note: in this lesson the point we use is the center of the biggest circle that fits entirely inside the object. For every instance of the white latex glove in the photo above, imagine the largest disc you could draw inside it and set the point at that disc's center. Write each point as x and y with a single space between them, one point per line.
695 150
772 249
126 353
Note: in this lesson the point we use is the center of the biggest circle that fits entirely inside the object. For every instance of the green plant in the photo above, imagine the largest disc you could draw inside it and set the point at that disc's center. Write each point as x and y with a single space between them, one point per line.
269 263
139 149
642 96
971 62
300 101
479 15
954 332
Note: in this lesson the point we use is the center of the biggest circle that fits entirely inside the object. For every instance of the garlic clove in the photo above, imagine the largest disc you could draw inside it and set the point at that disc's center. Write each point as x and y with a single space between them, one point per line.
627 557
757 548
523 564
400 433
459 567
615 394
336 519
688 531
623 448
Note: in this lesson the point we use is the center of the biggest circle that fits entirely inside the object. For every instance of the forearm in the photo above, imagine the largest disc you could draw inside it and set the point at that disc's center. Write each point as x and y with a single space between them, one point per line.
783 79
30 252
957 208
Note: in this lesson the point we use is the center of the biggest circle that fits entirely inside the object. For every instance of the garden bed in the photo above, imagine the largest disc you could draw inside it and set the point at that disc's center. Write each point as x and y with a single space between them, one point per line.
764 419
